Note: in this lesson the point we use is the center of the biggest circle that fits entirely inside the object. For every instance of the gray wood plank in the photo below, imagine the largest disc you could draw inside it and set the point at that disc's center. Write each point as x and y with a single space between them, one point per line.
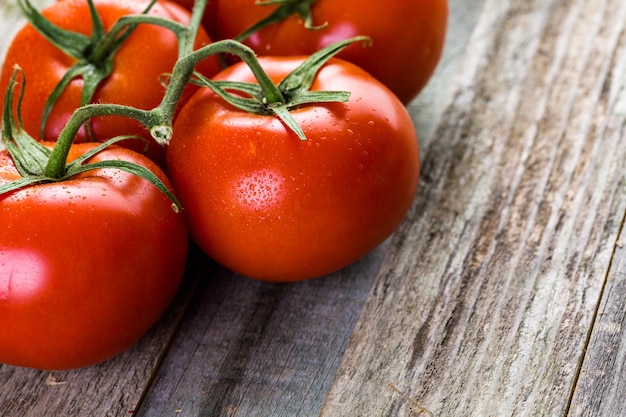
113 388
429 106
483 303
601 387
249 348
286 367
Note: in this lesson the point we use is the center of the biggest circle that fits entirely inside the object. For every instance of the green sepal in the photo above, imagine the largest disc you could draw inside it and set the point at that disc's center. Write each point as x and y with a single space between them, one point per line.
294 89
253 104
301 79
131 168
18 184
92 77
72 43
308 97
94 54
282 112
285 9
78 166
31 157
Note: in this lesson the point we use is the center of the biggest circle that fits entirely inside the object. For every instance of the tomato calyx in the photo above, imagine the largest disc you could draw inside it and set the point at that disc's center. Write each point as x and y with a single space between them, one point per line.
94 55
285 9
38 164
263 98
267 98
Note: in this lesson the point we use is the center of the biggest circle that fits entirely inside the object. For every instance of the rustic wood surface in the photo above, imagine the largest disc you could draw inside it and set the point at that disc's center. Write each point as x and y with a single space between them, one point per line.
488 296
503 293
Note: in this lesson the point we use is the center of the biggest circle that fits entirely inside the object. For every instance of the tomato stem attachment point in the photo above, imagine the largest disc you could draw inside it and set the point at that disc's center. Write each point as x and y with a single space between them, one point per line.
293 91
285 9
38 164
94 55
162 134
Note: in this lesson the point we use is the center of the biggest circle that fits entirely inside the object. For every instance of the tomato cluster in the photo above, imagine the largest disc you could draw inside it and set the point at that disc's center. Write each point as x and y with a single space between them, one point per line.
282 167
135 81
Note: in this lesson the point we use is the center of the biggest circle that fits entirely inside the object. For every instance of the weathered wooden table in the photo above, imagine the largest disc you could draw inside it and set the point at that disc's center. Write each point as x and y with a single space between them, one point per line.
502 294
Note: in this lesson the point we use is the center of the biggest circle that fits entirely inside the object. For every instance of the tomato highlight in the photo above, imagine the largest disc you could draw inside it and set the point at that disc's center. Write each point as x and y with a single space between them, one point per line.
273 207
87 265
283 167
91 251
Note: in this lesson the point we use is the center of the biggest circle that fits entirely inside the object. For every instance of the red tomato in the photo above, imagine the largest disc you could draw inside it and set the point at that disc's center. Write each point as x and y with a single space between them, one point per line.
138 66
270 206
408 35
87 265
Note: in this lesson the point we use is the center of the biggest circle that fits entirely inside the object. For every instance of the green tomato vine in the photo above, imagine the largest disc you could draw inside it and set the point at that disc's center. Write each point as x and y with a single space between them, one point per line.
285 9
37 163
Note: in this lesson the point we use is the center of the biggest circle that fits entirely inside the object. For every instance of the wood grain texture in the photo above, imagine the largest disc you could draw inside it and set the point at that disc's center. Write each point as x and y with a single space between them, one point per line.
111 389
602 383
252 349
249 348
502 294
483 303
427 110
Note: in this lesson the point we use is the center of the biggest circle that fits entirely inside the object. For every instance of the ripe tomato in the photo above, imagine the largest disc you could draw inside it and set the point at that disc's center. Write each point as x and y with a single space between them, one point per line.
87 265
270 206
408 35
138 67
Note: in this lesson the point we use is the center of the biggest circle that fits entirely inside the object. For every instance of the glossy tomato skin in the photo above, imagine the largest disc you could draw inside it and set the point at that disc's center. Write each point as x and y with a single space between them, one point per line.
138 67
272 207
87 266
408 35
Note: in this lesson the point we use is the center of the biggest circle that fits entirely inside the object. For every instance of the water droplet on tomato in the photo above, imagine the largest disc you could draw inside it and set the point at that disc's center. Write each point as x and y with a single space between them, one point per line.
259 191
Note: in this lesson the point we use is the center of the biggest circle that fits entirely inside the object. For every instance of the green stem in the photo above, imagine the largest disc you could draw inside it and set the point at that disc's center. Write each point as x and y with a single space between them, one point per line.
183 71
56 166
197 13
157 120
285 9
295 88
124 26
